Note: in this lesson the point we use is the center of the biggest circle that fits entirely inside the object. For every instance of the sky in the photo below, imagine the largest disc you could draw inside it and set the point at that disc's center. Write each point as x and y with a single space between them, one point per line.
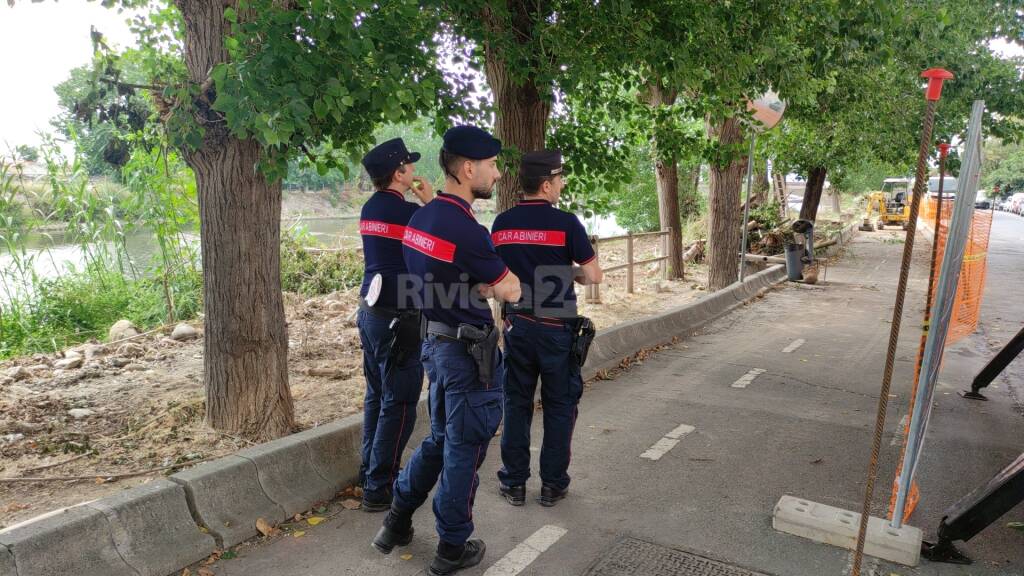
42 42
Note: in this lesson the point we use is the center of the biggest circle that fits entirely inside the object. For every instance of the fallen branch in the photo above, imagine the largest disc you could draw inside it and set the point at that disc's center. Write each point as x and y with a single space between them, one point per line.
101 475
56 464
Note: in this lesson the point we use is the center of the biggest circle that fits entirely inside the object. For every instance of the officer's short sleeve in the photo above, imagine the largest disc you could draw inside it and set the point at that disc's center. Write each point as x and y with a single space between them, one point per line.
579 245
476 256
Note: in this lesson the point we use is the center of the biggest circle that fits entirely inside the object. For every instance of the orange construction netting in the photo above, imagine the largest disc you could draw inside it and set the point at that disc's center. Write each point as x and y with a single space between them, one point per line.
966 304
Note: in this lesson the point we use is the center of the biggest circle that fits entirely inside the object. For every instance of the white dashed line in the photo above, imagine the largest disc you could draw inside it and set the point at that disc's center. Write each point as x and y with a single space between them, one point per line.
796 344
526 552
748 377
662 446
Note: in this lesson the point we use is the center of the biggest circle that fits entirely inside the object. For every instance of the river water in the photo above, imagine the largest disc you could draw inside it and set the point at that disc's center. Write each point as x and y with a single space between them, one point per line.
53 253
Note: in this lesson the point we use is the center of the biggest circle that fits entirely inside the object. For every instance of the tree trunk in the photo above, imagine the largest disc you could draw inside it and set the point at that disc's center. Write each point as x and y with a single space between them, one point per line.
521 107
724 214
668 214
812 194
245 349
666 168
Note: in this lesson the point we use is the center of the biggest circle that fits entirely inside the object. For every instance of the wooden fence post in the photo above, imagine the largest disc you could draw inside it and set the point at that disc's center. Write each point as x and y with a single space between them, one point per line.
629 262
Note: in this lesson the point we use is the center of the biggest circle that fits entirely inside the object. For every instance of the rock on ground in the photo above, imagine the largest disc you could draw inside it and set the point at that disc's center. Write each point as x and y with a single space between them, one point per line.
122 329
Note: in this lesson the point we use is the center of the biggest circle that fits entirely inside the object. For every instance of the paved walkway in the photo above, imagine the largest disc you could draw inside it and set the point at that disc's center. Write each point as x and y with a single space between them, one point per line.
692 448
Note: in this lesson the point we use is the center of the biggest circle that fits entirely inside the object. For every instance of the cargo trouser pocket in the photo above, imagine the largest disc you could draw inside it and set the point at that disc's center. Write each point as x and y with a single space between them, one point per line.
481 416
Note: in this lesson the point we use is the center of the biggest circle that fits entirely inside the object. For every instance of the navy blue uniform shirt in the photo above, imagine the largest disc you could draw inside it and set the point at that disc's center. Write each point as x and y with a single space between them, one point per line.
448 253
382 225
539 243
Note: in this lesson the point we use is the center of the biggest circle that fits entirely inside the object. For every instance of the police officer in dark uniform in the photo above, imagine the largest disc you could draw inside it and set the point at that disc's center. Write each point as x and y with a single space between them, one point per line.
388 329
544 336
453 269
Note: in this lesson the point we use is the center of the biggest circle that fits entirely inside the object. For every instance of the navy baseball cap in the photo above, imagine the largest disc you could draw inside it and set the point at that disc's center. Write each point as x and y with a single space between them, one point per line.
386 157
540 164
471 142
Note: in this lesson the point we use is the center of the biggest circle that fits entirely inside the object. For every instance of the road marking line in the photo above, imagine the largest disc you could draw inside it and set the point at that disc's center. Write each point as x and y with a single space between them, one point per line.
526 552
680 431
796 344
748 377
663 445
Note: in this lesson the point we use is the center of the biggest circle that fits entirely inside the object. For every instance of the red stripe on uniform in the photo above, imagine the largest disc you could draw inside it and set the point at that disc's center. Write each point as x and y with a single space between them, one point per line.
383 229
588 260
535 237
428 244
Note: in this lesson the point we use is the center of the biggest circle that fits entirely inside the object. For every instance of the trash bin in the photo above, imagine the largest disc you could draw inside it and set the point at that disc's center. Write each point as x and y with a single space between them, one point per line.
794 261
806 228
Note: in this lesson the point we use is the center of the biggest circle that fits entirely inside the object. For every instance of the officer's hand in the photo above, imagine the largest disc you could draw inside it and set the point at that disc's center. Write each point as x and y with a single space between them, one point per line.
422 189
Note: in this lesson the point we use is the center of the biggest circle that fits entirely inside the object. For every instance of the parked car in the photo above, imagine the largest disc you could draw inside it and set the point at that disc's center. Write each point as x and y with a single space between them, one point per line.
983 204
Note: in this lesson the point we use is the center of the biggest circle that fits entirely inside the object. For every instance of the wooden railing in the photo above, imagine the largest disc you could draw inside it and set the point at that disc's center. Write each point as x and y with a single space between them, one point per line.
592 292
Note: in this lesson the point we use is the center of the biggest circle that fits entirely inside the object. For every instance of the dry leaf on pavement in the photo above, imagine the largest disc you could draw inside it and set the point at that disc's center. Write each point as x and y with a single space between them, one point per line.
265 528
350 504
314 520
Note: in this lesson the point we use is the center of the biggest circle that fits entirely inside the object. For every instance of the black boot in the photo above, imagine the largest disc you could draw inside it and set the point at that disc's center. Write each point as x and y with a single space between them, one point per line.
516 495
396 531
549 495
376 502
450 559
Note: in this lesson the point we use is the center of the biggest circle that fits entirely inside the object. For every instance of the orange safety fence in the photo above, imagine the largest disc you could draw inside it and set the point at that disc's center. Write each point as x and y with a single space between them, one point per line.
966 304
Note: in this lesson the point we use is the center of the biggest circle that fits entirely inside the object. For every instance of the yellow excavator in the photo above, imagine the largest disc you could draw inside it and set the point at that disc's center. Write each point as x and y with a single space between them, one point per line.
890 203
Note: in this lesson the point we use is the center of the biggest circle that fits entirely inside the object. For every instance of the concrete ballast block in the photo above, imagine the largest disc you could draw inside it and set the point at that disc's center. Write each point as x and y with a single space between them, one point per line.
335 450
286 473
225 496
838 527
7 567
74 541
152 528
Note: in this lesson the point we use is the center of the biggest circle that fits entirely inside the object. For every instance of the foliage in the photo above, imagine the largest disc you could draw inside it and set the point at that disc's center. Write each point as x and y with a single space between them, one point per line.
1004 168
313 272
100 114
26 152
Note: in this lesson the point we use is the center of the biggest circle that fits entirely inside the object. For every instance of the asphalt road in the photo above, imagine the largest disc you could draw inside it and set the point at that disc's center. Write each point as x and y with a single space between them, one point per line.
802 426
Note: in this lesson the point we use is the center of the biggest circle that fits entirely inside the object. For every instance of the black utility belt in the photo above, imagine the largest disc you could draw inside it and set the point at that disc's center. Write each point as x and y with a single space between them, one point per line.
463 332
384 311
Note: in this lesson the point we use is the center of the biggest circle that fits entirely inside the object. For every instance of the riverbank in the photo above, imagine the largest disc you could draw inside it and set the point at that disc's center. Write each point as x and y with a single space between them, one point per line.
139 406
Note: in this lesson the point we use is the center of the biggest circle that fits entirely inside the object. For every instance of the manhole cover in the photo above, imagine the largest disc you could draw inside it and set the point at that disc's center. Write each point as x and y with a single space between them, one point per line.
632 557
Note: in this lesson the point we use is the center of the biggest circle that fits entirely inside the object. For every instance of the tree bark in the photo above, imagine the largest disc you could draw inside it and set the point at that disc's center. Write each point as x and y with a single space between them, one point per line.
245 349
812 193
724 208
666 168
667 174
522 107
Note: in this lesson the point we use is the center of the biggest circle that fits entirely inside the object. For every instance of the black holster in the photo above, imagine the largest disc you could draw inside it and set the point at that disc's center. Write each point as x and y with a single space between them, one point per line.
583 333
406 336
481 345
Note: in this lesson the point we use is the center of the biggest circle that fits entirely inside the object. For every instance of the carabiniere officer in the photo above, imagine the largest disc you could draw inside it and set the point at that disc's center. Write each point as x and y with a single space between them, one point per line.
544 336
388 329
453 269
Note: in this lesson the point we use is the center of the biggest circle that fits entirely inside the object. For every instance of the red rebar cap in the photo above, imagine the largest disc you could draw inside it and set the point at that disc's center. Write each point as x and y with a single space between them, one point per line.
943 149
935 78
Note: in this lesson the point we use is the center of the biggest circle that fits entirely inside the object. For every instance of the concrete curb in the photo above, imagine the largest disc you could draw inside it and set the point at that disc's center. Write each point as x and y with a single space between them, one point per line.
154 529
225 497
134 513
72 541
6 561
